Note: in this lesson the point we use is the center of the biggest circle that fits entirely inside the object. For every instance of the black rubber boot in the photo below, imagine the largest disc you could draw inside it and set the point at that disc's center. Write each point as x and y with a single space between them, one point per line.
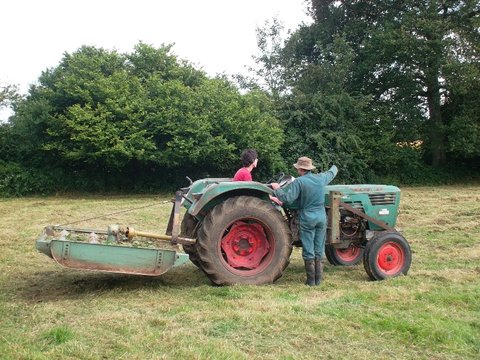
318 271
310 270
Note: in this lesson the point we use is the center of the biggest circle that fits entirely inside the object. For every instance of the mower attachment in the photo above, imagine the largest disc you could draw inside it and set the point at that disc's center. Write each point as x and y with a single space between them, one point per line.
115 250
108 257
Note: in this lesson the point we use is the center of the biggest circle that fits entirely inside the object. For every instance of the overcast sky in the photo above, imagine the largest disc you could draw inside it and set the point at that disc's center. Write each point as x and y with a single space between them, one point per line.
216 35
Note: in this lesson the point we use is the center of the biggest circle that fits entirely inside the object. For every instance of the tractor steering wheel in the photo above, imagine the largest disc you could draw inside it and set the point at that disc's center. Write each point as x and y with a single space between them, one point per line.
282 179
276 178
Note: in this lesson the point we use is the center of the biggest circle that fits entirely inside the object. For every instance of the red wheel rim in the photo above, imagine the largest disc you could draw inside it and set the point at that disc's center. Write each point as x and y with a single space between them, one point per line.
245 247
349 254
390 258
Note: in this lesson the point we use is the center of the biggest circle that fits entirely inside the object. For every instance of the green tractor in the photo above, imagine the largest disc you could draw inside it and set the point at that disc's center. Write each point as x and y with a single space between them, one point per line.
236 235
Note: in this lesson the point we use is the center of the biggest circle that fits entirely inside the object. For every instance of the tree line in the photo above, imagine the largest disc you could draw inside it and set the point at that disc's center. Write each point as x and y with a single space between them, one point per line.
387 90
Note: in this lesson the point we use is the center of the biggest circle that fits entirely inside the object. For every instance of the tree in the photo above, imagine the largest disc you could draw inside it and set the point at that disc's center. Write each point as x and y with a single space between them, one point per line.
8 94
462 113
409 65
406 52
321 119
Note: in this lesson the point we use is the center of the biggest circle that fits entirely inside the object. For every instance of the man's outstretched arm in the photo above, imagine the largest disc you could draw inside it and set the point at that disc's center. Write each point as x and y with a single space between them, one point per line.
330 174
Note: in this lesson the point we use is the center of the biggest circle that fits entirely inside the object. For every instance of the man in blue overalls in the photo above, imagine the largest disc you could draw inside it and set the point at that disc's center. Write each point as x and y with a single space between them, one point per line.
309 189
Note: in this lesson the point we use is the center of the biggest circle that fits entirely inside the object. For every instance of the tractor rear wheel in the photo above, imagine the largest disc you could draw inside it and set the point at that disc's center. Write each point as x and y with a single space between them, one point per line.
187 229
388 254
244 240
344 257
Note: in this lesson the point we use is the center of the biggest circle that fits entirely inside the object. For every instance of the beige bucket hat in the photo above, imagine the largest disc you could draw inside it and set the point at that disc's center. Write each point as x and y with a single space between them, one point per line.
305 163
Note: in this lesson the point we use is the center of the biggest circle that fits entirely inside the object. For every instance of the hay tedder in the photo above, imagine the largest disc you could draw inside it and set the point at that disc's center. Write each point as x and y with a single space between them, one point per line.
236 235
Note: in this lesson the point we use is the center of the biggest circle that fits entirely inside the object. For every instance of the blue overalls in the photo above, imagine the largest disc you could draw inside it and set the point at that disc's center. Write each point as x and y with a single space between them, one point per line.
309 189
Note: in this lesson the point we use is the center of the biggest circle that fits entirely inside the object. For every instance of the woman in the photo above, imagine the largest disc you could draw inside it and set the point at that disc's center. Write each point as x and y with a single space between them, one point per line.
249 160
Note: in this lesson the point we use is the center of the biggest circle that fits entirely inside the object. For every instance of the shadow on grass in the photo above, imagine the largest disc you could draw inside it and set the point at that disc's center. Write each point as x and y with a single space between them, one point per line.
57 284
66 284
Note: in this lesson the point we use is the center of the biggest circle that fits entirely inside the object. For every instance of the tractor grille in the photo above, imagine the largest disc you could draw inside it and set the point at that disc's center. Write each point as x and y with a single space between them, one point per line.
355 204
383 198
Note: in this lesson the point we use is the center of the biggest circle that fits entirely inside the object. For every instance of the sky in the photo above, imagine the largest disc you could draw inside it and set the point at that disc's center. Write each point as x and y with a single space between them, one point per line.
216 35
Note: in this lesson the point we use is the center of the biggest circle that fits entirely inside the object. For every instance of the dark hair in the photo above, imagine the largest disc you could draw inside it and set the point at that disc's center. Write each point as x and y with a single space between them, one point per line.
248 157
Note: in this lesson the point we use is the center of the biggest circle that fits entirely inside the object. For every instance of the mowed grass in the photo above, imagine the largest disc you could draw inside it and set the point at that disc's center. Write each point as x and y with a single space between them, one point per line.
50 312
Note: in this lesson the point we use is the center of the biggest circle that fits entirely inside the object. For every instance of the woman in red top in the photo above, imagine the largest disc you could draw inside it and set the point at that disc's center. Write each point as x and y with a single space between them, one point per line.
249 160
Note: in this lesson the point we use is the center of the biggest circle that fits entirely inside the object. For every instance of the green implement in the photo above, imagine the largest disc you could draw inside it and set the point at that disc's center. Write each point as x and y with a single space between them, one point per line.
115 250
111 258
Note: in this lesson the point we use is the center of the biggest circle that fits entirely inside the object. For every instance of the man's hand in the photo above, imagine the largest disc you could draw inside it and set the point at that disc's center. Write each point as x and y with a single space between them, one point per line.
276 200
275 186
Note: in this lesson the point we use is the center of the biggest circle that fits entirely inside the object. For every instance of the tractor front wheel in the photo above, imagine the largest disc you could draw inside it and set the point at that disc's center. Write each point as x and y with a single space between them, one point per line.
351 255
244 240
388 254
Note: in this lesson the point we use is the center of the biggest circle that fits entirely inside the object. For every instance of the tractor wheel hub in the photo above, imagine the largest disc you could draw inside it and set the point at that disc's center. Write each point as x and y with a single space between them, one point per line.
245 245
390 258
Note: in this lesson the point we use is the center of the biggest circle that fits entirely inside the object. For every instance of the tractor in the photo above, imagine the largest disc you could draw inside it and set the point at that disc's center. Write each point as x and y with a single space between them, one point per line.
235 234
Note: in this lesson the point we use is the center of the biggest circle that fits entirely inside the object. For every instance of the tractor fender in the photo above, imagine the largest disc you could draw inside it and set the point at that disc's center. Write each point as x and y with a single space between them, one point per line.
219 192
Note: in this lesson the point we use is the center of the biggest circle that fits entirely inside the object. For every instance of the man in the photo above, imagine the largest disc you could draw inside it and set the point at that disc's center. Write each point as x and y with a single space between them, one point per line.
249 160
309 189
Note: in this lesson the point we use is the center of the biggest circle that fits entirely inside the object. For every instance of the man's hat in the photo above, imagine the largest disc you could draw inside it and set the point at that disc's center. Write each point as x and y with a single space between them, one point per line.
304 163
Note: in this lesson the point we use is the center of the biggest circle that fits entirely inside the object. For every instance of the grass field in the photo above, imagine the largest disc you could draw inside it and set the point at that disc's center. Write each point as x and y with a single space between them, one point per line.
49 312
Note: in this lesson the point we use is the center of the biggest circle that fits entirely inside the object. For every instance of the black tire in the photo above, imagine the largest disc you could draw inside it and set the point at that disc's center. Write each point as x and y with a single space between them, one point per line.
344 257
388 254
187 229
244 240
